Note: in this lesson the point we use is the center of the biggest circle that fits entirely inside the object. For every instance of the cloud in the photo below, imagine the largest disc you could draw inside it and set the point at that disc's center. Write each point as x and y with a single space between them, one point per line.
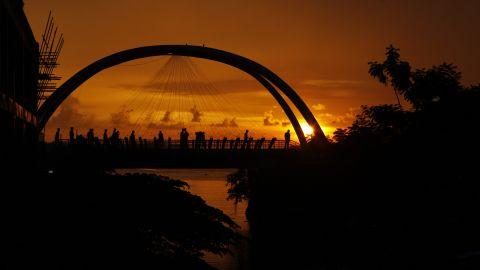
332 83
227 123
185 87
341 120
163 126
319 107
196 114
121 118
285 123
269 120
166 117
70 115
337 89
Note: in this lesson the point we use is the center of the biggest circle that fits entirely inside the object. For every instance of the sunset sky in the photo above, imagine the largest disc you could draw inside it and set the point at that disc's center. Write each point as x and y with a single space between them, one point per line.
321 48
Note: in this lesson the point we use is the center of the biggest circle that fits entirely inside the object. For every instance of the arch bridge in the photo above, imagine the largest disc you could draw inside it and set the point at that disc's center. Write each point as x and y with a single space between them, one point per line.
268 79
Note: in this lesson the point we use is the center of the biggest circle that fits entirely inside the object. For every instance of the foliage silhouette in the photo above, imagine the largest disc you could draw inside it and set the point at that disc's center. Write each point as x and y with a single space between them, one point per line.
398 190
239 185
392 70
89 220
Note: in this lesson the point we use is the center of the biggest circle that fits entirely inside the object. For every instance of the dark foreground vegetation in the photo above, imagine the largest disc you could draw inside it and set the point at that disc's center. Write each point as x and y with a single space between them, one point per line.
399 189
95 220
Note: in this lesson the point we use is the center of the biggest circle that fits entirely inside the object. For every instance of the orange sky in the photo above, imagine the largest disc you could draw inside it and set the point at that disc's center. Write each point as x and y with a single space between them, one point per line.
320 47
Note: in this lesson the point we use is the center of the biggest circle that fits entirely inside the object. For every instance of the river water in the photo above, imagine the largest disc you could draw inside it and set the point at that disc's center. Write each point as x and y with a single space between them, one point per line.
210 184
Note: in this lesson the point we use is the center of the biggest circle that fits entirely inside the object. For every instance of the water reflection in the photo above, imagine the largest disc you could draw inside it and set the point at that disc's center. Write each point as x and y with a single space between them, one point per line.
210 184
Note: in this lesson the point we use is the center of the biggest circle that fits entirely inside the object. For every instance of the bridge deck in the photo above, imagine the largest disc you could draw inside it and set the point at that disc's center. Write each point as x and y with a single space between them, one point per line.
218 144
197 154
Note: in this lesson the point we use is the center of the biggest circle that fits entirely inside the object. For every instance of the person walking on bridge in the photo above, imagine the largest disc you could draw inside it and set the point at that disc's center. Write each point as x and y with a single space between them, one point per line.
287 139
57 136
105 137
113 138
161 139
133 141
184 138
245 139
90 136
71 136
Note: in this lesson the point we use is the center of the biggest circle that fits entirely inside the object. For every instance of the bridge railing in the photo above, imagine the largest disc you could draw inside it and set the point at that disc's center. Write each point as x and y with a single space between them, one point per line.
216 144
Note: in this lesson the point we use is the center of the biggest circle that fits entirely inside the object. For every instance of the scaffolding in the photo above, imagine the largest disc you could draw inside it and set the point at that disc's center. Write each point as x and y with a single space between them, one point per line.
50 48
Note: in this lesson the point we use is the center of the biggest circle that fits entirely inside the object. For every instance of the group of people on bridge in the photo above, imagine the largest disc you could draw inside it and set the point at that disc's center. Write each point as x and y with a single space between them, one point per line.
200 141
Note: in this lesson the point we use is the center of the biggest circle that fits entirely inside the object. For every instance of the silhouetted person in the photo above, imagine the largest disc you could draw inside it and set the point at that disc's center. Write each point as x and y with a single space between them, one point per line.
169 143
132 139
184 138
90 136
287 139
126 141
57 136
80 139
161 139
210 143
199 139
113 138
105 138
140 142
245 139
261 142
117 137
272 143
71 136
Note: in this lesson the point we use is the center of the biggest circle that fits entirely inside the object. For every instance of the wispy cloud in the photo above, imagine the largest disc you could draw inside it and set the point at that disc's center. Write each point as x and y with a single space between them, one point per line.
332 83
319 107
195 87
227 123
164 126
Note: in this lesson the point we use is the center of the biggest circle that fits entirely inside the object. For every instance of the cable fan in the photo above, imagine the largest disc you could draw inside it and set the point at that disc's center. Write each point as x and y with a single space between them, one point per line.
180 96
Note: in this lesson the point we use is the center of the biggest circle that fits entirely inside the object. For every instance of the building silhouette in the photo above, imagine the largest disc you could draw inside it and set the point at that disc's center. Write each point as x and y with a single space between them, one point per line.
18 75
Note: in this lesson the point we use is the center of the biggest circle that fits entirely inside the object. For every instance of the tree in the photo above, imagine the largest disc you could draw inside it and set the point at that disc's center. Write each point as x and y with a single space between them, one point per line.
432 85
421 87
340 135
379 123
392 70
